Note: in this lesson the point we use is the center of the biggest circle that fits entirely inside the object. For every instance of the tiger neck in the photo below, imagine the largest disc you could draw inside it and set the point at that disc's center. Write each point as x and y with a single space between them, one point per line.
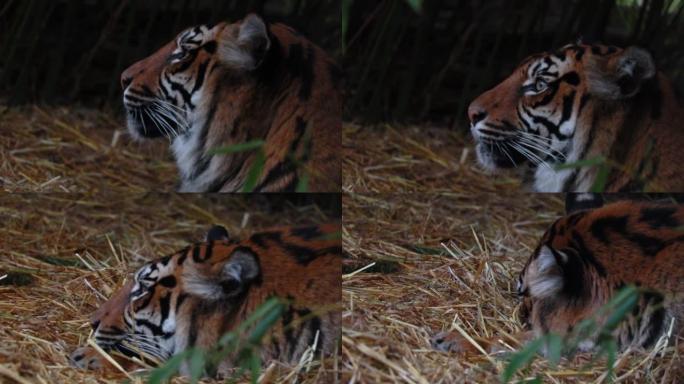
234 113
594 136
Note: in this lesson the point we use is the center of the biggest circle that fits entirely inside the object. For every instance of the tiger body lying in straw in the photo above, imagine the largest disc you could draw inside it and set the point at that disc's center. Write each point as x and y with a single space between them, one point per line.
583 259
193 297
215 87
580 103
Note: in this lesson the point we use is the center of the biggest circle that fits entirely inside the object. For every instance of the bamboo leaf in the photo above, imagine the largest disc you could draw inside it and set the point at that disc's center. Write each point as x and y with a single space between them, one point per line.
237 148
522 358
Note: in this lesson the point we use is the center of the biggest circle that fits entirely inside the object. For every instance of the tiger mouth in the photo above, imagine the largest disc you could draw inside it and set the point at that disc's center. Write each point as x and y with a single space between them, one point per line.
141 124
149 117
499 154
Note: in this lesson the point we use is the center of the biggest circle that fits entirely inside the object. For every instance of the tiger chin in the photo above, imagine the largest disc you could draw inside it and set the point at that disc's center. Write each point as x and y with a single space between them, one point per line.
228 84
583 102
583 260
193 297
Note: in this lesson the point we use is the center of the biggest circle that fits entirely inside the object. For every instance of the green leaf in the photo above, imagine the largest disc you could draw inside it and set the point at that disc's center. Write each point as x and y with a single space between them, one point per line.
581 163
622 304
237 148
522 358
427 250
417 5
337 235
554 348
254 172
303 183
169 369
62 261
601 180
197 362
268 320
608 347
16 278
254 364
346 7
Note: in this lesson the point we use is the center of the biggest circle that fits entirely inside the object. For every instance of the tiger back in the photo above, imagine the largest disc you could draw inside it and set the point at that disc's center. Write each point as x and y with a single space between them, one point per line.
240 98
561 116
583 260
192 298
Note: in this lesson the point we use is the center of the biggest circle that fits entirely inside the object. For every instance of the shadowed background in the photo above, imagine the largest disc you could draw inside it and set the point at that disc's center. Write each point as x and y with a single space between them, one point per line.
65 51
414 60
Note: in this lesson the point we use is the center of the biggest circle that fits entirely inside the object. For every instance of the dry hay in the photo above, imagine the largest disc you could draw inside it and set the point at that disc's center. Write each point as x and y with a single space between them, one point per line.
78 150
65 253
417 287
385 159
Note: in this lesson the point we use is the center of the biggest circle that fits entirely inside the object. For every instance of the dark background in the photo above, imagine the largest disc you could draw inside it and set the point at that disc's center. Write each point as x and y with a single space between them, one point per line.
73 51
401 64
405 65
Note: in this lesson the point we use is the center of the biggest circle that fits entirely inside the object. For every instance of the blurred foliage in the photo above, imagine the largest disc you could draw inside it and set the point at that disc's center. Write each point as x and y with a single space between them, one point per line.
408 65
63 51
613 313
243 344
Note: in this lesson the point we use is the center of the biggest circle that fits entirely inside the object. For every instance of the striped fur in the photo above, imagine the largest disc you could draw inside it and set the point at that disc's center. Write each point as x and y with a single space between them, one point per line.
218 86
193 297
583 102
587 256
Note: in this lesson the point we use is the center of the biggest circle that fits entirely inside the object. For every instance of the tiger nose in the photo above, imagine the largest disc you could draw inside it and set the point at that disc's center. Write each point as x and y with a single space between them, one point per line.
125 81
127 75
476 113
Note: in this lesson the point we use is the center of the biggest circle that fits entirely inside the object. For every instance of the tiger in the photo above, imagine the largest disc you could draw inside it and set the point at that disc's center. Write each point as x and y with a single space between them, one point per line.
583 259
583 118
263 92
190 299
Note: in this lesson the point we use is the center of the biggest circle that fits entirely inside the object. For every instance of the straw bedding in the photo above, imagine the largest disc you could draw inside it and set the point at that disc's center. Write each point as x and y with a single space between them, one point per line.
442 262
51 149
63 254
387 159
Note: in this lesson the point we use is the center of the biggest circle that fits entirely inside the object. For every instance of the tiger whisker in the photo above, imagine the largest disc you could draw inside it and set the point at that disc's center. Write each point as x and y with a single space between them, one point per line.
536 160
503 149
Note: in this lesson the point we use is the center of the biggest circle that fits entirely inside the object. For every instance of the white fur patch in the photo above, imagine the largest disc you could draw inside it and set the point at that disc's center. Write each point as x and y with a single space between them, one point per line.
547 282
239 53
198 285
586 345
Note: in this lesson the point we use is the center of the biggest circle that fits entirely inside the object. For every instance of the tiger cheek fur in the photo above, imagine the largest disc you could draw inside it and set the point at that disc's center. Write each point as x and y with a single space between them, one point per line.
582 102
192 298
586 257
218 86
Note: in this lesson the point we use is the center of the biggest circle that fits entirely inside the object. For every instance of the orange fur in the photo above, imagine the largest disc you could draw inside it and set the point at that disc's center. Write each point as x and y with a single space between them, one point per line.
582 261
299 264
277 87
593 101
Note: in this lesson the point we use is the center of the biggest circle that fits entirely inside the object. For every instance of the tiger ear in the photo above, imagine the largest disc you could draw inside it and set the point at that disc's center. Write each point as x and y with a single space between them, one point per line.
582 201
547 279
217 233
623 75
229 280
245 48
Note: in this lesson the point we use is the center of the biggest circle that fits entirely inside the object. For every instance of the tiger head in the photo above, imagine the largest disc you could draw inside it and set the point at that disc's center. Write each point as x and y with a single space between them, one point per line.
539 114
193 297
147 317
555 286
163 93
553 292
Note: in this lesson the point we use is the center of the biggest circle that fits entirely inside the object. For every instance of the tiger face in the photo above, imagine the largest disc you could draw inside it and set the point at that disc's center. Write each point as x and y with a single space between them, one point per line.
542 115
192 298
162 93
586 257
219 86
